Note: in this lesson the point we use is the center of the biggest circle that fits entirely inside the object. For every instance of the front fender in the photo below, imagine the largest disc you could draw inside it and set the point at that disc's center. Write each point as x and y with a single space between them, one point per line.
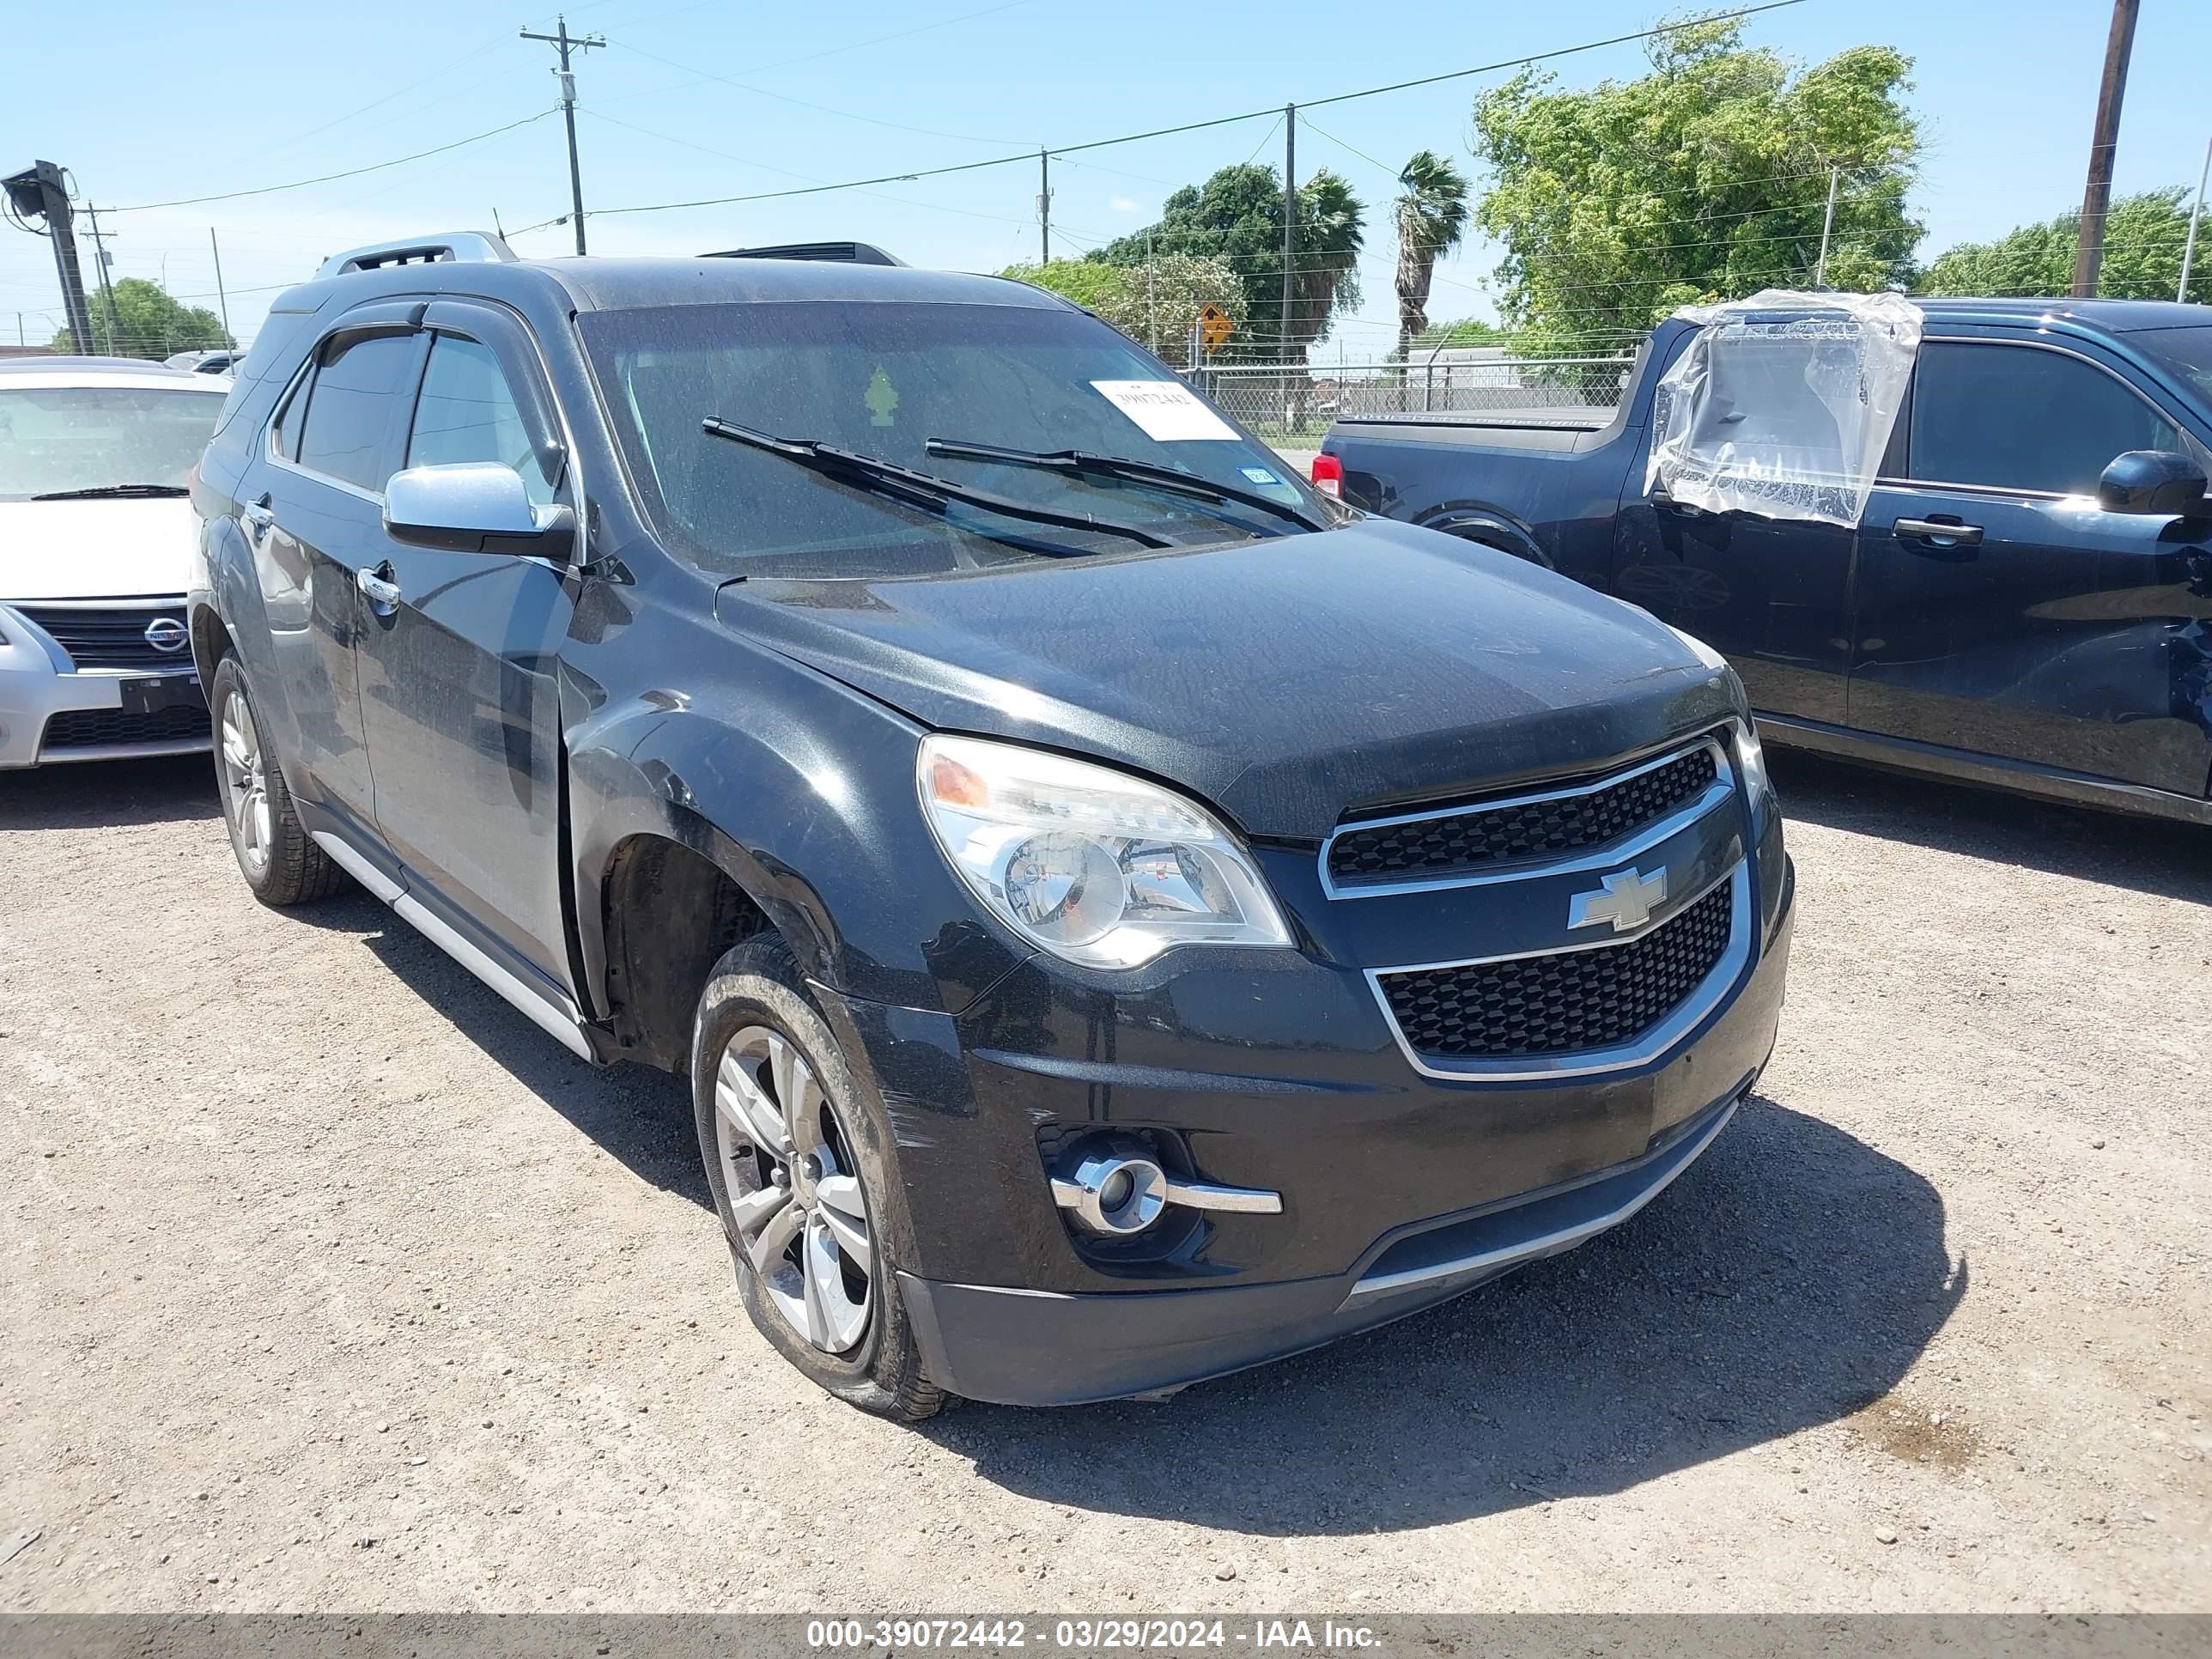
802 794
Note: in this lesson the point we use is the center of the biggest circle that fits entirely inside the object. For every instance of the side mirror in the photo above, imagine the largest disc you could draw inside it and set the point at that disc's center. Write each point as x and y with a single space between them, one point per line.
474 506
2154 480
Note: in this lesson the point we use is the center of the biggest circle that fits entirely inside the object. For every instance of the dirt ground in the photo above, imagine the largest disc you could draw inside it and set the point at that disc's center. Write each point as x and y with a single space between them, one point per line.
331 1283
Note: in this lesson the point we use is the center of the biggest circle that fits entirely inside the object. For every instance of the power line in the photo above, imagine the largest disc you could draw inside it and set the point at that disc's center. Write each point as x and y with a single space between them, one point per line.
329 178
1026 156
823 109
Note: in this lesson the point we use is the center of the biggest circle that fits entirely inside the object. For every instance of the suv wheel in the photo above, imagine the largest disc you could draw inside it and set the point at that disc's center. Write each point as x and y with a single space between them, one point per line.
280 862
800 1179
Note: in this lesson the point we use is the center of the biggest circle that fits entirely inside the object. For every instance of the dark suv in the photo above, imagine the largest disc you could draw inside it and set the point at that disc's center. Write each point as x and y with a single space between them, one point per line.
1124 917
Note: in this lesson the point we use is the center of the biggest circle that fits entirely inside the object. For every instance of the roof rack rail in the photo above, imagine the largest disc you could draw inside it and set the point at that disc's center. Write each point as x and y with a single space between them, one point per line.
469 247
851 253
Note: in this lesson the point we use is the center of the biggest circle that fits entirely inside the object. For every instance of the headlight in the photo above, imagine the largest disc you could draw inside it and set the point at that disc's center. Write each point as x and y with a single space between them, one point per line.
1097 867
1752 759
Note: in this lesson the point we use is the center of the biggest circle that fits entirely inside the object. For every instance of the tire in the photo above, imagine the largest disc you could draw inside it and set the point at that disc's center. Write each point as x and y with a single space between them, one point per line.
766 1074
280 862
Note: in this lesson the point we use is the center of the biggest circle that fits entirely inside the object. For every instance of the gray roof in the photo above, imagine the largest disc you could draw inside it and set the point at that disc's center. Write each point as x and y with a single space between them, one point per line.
600 284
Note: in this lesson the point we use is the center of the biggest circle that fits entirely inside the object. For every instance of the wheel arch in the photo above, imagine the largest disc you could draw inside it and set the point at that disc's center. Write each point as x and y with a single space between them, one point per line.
1491 526
810 825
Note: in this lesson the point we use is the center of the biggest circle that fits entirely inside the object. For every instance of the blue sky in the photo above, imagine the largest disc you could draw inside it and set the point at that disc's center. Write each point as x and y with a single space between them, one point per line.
696 98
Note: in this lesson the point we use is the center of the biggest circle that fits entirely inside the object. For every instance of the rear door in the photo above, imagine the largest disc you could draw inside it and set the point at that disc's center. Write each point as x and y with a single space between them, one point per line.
460 681
1999 609
314 514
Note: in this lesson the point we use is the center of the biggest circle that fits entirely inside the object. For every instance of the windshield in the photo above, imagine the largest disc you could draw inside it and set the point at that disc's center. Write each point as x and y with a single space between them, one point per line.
2186 353
882 379
61 438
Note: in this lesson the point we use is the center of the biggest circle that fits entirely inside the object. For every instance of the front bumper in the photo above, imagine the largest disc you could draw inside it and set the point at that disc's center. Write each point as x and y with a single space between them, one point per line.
51 711
1399 1187
1021 1347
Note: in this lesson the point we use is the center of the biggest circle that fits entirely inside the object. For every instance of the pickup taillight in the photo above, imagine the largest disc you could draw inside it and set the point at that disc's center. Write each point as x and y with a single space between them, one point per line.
1328 477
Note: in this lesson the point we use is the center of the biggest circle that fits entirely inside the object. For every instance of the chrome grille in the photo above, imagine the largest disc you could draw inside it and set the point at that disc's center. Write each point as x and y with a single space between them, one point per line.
1568 1002
1454 842
113 636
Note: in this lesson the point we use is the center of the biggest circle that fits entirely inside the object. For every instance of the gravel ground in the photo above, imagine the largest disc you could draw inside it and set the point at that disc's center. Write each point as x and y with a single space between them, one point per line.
332 1283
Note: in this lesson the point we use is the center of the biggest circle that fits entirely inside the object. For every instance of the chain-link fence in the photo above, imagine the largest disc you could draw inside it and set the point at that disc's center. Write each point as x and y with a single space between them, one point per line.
1284 403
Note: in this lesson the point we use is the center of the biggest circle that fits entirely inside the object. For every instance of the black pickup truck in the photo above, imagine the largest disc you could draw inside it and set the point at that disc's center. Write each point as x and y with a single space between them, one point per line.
2023 603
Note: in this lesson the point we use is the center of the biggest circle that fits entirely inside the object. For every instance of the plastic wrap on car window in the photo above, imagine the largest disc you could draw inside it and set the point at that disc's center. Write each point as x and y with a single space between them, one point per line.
1782 404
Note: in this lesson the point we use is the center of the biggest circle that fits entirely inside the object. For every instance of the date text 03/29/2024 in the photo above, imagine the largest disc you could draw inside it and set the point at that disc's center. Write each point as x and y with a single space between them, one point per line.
1092 1635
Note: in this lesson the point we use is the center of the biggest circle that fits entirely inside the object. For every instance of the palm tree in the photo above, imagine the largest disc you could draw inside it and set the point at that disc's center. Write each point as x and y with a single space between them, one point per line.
1325 275
1331 230
1432 217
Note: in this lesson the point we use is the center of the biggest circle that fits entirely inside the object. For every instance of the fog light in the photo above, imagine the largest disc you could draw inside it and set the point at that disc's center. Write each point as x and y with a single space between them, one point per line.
1112 1190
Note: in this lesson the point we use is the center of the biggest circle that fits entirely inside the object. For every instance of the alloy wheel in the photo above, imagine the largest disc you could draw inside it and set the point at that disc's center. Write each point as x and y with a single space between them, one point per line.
794 1190
246 782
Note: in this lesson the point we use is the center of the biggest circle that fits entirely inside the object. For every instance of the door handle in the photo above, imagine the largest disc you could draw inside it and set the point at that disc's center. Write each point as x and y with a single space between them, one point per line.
259 515
381 589
1958 535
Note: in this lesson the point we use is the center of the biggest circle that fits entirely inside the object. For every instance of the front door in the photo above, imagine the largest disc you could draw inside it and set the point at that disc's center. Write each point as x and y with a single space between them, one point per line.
313 512
1999 609
460 683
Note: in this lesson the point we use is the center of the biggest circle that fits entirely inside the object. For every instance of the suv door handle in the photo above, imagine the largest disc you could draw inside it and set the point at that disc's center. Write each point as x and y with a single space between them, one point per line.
259 515
378 584
1957 535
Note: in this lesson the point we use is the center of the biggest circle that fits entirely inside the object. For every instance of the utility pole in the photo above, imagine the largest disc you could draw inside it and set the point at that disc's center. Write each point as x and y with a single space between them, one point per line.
566 41
2089 246
1290 244
1152 293
222 297
1044 207
106 288
2196 214
38 192
1827 224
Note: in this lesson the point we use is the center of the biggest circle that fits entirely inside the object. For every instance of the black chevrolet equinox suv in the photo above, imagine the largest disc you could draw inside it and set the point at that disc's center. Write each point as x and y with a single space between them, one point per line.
1124 917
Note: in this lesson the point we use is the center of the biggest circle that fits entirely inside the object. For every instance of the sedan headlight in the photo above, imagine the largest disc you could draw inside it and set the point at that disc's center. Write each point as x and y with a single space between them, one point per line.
1097 867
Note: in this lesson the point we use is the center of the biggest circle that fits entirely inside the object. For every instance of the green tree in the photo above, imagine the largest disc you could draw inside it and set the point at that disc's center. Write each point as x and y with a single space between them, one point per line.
2143 239
144 320
1237 217
1154 304
1433 216
1705 180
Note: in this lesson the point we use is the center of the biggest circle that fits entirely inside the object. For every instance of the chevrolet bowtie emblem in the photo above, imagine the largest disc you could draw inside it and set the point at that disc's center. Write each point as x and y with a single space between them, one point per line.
1625 901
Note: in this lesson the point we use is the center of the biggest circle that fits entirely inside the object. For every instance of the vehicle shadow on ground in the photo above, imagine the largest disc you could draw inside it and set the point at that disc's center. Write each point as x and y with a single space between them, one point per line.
640 1117
1789 1280
120 793
2148 855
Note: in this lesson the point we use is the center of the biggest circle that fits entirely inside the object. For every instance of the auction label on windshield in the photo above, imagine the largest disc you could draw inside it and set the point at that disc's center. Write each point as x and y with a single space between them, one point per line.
1168 410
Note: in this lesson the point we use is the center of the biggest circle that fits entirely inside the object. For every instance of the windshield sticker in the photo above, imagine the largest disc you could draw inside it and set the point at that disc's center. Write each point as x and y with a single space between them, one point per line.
881 397
1259 475
1166 410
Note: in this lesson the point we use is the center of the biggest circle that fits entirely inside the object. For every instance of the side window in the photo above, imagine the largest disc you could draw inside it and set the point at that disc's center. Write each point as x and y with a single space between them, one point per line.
467 413
351 410
2017 418
284 436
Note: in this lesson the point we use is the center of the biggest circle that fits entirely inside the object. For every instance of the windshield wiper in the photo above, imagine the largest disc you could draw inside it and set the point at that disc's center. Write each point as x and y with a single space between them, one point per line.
114 492
1083 463
923 490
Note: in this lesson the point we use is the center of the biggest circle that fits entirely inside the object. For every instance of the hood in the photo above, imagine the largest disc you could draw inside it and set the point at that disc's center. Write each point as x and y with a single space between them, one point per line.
1285 681
96 550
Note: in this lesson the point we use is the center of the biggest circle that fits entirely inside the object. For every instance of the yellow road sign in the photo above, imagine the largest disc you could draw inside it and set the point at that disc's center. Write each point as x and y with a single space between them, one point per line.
1215 325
